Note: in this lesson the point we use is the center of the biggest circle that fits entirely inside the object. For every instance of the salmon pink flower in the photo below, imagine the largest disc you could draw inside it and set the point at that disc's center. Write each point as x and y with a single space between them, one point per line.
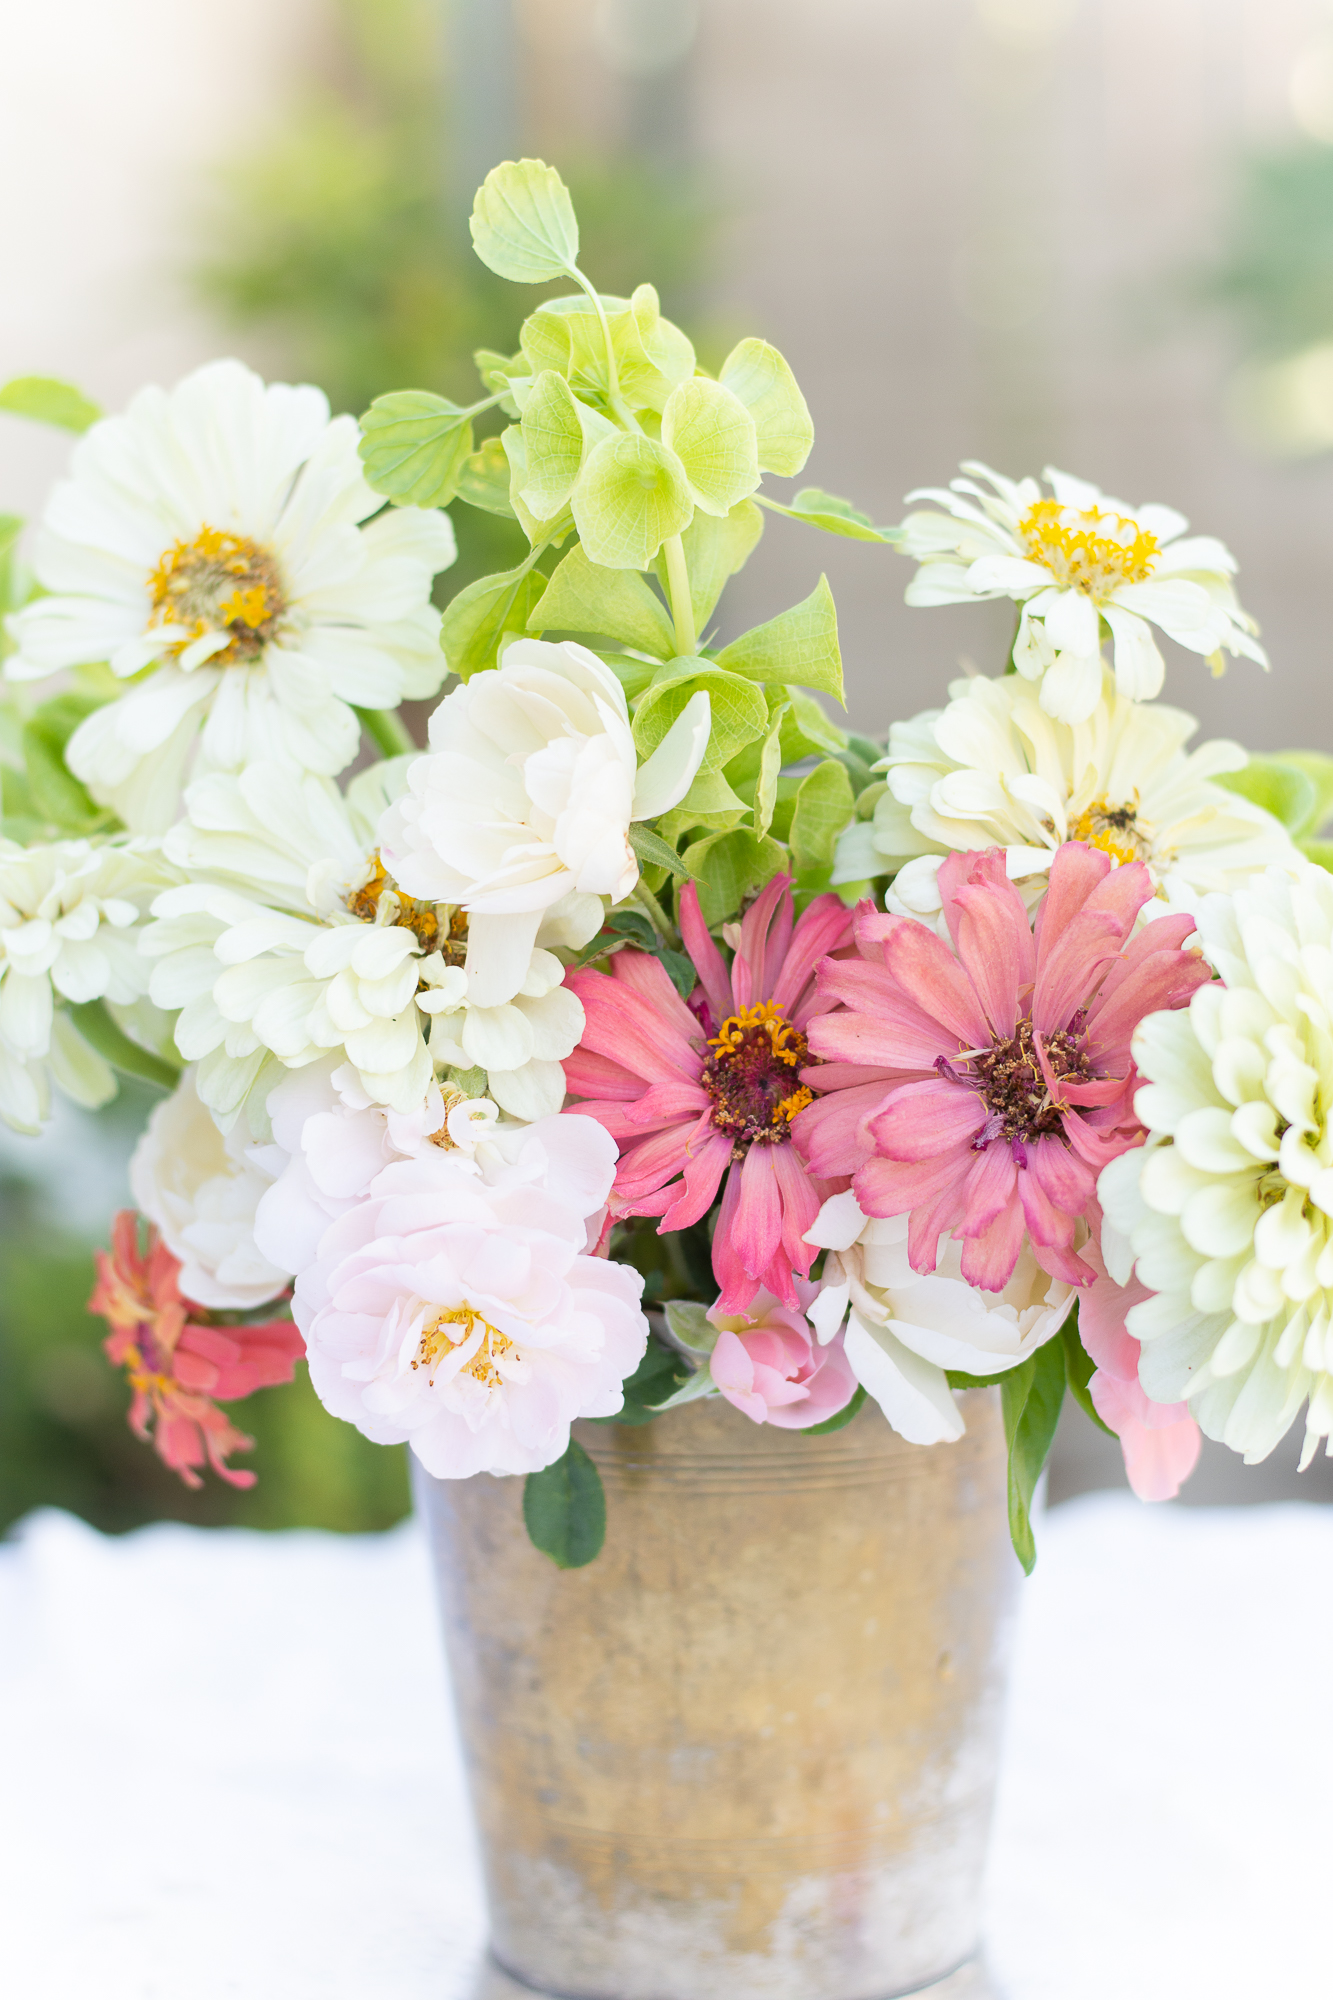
702 1097
769 1363
1160 1441
982 1093
179 1367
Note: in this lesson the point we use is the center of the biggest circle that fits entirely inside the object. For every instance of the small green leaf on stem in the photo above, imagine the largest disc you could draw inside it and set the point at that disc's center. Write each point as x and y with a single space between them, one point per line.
46 401
564 1509
1031 1395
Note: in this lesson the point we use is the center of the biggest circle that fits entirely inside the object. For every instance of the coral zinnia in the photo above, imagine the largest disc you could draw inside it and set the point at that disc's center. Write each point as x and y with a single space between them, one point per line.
178 1369
983 1093
693 1094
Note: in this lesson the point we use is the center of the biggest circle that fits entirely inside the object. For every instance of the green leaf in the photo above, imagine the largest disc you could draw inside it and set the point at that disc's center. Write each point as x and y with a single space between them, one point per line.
836 517
11 527
712 434
54 791
1031 1395
414 446
691 1390
839 1418
824 805
652 354
757 374
47 401
100 1032
476 621
538 531
690 1323
710 802
739 711
632 495
495 371
656 853
564 1509
799 645
554 442
523 223
580 597
808 731
1280 788
731 866
770 763
715 546
1318 851
483 479
1080 1369
1318 768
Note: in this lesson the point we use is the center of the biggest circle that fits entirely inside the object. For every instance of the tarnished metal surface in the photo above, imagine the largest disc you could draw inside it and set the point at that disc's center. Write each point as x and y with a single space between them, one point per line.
748 1753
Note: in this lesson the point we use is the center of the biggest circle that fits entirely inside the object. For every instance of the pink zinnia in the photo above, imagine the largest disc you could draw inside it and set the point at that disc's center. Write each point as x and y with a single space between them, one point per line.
178 1367
701 1097
983 1093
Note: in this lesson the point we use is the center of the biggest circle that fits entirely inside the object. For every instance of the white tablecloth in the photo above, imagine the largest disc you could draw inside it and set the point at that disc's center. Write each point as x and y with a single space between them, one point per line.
227 1767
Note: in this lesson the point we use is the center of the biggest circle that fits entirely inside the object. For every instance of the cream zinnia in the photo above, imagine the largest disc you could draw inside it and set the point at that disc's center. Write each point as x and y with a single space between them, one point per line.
1226 1214
1075 559
209 545
993 768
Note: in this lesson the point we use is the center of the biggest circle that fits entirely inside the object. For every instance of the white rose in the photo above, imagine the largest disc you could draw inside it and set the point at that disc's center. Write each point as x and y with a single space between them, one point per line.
527 795
201 1190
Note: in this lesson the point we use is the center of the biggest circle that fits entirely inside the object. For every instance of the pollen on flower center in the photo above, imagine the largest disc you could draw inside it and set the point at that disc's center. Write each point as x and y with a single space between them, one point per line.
221 583
1117 830
753 1076
435 926
437 1343
1023 1101
1087 550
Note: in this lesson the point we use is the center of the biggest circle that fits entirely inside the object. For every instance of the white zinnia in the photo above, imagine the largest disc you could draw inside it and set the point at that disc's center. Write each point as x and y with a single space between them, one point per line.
456 1307
1227 1212
994 769
68 917
528 796
1072 562
904 1331
291 940
208 546
201 1190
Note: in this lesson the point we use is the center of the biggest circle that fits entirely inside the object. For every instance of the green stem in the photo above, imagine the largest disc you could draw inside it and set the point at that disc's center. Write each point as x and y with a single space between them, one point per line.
612 372
95 1024
682 607
656 915
387 730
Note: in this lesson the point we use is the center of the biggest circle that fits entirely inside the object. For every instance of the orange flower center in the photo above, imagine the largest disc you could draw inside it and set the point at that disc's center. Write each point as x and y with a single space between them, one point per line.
435 927
223 583
753 1076
1087 550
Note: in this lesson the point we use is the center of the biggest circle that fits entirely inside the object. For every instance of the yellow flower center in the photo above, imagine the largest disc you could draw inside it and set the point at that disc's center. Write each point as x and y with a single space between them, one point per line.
752 1076
435 926
219 582
1087 551
1115 829
437 1342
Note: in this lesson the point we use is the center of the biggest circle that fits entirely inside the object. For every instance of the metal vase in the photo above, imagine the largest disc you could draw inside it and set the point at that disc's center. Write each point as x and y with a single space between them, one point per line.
748 1753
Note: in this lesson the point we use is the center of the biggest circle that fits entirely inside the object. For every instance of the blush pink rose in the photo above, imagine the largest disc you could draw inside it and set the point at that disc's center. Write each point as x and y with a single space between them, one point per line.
772 1367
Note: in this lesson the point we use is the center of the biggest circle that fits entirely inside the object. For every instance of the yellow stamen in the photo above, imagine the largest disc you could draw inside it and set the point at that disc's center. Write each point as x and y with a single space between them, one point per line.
1087 550
1115 829
768 1016
219 582
436 1344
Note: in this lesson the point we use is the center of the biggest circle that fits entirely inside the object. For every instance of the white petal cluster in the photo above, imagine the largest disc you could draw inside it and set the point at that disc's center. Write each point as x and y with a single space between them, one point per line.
994 769
69 913
208 545
527 797
289 940
454 1305
202 1190
1227 1212
1075 559
904 1331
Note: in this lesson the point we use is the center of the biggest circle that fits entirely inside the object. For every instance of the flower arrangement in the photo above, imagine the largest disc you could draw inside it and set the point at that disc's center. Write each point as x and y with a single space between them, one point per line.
648 1036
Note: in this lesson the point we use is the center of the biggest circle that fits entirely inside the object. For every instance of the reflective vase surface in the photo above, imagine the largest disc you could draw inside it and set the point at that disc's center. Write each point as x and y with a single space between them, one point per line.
749 1753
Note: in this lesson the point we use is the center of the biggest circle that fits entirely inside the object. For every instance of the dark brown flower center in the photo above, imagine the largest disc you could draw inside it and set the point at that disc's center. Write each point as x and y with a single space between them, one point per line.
1019 1100
752 1074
